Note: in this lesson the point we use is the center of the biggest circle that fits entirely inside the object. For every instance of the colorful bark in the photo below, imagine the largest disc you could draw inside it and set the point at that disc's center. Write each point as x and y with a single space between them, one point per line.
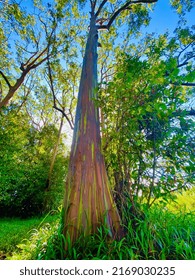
88 200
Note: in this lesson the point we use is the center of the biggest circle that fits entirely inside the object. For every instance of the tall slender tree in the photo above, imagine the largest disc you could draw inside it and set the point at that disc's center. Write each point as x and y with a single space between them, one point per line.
88 199
28 41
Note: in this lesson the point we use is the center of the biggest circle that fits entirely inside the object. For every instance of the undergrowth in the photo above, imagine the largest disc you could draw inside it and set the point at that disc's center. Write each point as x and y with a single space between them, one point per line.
15 230
160 235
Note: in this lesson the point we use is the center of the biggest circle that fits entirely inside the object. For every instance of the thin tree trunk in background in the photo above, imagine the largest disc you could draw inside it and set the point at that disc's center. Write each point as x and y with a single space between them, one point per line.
88 200
55 151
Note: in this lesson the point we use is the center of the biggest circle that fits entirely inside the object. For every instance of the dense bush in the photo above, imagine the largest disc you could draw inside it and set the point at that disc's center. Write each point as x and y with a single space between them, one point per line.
24 166
22 193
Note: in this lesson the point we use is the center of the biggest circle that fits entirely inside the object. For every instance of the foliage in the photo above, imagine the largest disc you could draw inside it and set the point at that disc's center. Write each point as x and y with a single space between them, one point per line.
13 231
184 202
147 129
54 196
31 38
24 166
182 5
160 235
27 131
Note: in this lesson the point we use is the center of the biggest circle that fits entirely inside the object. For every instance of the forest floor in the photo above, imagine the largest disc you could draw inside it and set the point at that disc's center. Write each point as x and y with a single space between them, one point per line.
13 231
172 236
170 230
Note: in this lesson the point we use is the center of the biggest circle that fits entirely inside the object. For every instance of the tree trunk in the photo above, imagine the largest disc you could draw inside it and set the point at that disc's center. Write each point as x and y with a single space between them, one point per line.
48 186
54 155
88 200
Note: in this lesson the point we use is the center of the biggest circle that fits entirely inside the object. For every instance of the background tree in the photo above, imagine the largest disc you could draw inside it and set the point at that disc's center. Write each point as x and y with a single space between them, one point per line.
29 40
25 157
147 136
29 57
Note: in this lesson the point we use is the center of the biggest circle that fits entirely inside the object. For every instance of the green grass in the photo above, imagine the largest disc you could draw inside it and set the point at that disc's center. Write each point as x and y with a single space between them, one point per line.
13 231
160 235
163 232
185 202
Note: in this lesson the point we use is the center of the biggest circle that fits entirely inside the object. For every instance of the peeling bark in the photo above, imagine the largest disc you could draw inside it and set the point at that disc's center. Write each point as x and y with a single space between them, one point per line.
88 200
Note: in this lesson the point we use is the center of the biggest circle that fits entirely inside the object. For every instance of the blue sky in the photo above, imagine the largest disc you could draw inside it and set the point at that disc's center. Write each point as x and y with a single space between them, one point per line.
165 18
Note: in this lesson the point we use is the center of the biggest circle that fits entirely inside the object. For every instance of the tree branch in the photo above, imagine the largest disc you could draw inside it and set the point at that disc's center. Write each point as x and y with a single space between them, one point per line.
30 64
5 78
122 8
28 61
144 1
39 63
1 91
191 112
27 91
20 80
180 112
100 8
65 115
183 84
54 96
188 84
181 52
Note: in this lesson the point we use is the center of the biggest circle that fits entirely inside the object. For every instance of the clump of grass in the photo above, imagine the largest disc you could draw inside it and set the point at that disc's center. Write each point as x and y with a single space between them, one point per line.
161 235
173 234
158 234
184 202
12 231
15 231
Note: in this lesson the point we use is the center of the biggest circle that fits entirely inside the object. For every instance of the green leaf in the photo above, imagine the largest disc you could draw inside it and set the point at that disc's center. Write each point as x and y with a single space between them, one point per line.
149 108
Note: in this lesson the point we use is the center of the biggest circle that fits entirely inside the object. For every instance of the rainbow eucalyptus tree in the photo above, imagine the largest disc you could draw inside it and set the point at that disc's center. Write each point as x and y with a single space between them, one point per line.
88 198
